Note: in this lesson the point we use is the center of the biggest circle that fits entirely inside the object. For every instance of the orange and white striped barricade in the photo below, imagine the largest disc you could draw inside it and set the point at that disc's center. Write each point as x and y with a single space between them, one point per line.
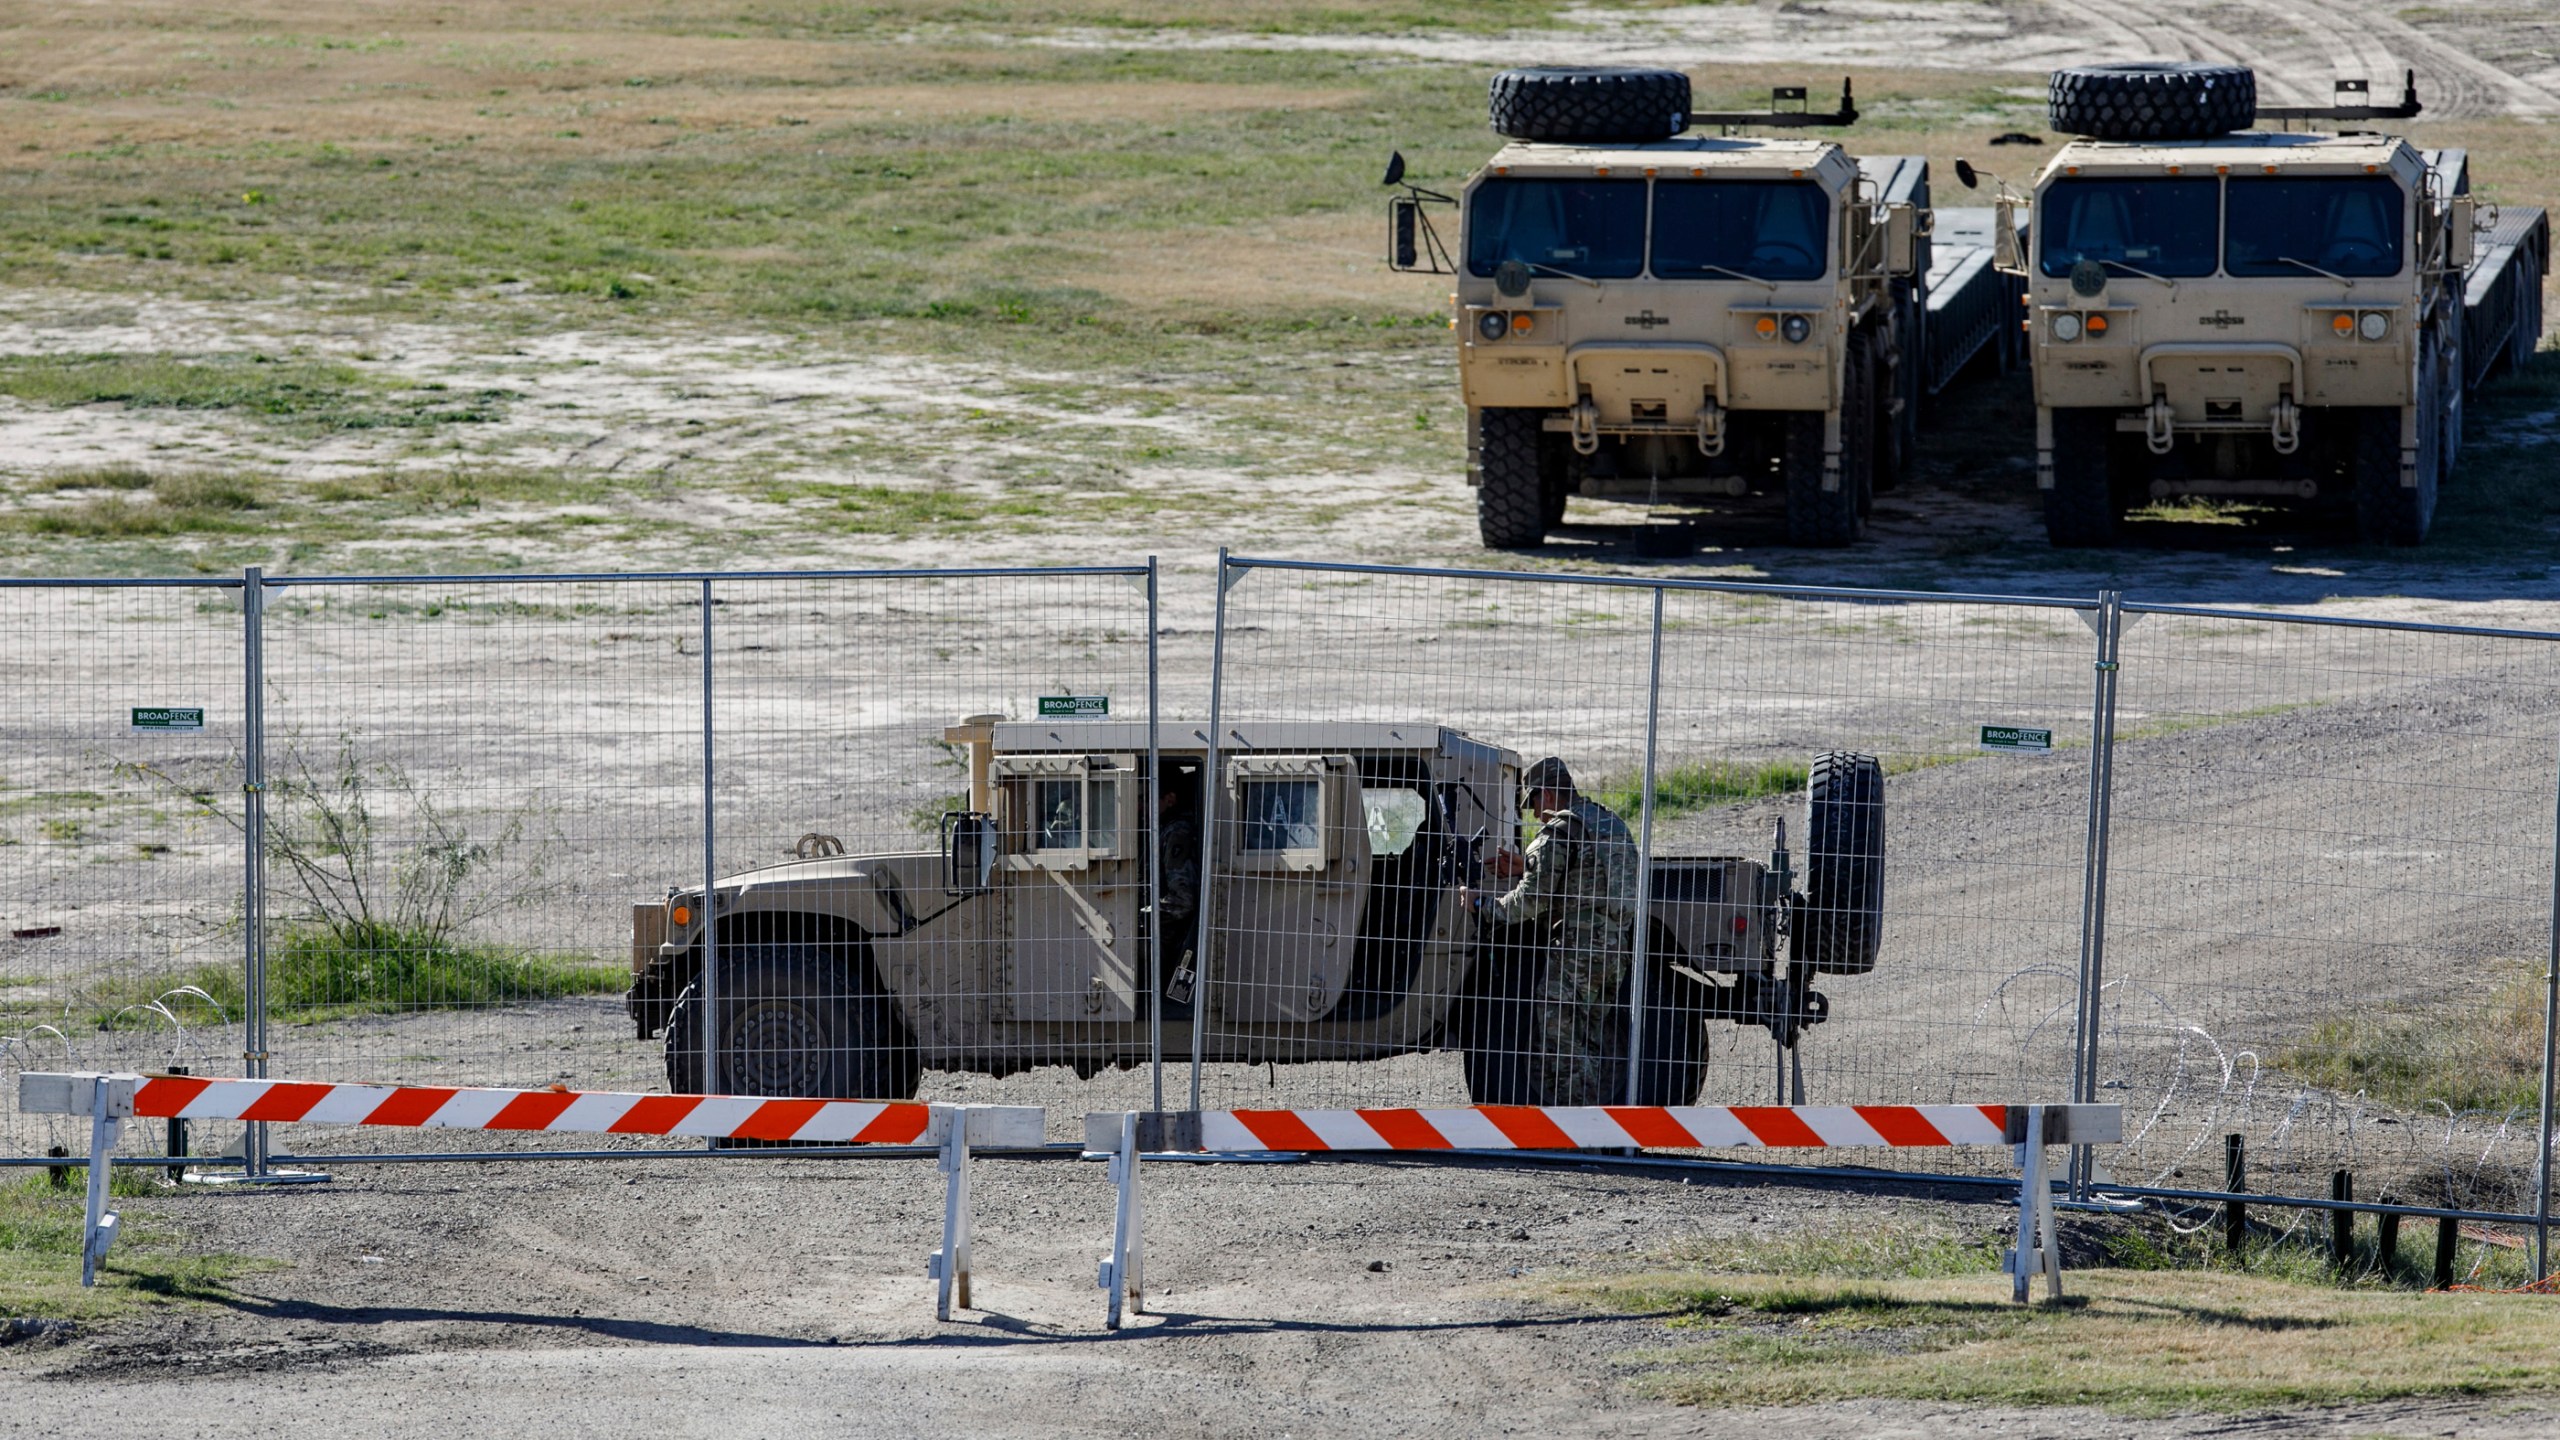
955 1129
2029 1129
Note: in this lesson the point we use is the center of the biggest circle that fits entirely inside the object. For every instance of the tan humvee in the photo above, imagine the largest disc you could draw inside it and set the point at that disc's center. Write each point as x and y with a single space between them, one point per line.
2274 316
1331 927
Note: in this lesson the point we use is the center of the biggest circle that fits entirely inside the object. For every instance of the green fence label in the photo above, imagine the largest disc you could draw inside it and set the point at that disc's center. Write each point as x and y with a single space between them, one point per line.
2016 737
1074 707
167 719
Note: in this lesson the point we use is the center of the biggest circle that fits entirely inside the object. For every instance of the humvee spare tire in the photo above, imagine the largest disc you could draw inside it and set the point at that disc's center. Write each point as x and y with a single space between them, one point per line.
1589 103
2152 100
1841 920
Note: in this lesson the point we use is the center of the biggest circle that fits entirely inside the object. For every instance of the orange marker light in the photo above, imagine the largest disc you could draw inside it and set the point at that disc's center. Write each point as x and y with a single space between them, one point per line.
1765 327
2097 324
1599 169
2221 169
1650 172
2177 169
2342 325
1522 323
681 914
1695 171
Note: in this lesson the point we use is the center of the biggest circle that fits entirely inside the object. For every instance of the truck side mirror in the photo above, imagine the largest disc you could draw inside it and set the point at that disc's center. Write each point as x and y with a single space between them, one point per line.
2008 248
2461 229
1901 239
1966 174
1405 220
968 852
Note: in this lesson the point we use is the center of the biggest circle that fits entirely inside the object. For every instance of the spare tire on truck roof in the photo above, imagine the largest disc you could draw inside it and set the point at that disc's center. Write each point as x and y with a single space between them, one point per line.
1584 103
2152 100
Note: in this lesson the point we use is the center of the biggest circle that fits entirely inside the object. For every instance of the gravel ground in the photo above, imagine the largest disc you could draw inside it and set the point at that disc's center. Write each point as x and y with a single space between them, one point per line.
785 1297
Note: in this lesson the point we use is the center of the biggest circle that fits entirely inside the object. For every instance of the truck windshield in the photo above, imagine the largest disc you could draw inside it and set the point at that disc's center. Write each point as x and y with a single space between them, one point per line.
2167 227
1590 228
1767 229
2344 224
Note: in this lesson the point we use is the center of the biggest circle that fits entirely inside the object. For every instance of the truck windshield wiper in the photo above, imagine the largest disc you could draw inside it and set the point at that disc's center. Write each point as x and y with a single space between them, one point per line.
1569 275
2314 269
1738 275
2140 273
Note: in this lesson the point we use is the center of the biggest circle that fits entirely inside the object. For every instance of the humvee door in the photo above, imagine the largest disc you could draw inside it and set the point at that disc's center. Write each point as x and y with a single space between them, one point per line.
1072 876
1293 871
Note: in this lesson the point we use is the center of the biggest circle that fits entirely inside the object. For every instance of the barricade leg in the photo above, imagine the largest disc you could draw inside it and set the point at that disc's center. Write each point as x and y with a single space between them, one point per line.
1123 1270
100 1232
949 1266
2039 1249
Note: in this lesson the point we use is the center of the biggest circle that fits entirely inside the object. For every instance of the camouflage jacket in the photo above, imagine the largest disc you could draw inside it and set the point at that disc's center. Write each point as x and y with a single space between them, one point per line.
1580 871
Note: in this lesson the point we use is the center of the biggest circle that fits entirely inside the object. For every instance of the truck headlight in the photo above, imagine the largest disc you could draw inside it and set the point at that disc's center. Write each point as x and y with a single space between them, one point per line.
2066 327
1796 329
2373 325
1493 325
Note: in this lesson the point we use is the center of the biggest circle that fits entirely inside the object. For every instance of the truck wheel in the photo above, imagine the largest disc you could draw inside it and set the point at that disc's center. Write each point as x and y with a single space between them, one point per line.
2152 100
802 1020
1582 102
2080 509
1556 478
1829 519
1511 498
1841 921
1898 435
2388 513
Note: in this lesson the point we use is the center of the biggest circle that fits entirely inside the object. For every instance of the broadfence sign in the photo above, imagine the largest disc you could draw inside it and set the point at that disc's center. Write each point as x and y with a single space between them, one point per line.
1074 707
2017 738
167 719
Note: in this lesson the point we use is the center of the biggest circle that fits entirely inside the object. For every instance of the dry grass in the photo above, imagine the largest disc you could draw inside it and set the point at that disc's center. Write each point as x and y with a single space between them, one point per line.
2467 1051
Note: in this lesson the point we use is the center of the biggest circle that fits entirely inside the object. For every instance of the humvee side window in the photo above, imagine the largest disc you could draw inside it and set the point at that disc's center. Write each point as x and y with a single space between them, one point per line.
1061 811
1282 814
1395 817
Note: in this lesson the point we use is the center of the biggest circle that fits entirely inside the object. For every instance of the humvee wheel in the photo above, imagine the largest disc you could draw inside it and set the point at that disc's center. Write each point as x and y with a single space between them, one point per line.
796 1019
2080 509
2152 100
1499 1028
1511 498
1840 923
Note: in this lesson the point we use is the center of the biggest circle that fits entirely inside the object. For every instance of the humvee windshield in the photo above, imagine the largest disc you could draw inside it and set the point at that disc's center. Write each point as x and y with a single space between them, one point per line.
2345 224
1590 228
1767 229
2168 227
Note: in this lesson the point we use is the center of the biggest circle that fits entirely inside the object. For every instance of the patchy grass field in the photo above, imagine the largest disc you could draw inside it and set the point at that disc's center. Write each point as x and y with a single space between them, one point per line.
40 1234
2152 1323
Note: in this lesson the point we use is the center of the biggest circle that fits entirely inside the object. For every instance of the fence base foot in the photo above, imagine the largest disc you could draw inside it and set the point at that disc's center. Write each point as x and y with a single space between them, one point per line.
2039 1247
949 1266
1123 1271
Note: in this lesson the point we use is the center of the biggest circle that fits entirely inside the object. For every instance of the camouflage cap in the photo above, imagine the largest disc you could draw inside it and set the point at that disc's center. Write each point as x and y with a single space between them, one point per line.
1547 774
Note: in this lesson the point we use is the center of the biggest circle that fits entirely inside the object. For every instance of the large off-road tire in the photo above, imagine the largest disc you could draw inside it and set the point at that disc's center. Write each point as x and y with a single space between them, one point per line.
1829 519
806 1020
1581 102
2388 513
1558 475
1898 426
2151 100
2080 510
1841 922
1511 501
1673 1068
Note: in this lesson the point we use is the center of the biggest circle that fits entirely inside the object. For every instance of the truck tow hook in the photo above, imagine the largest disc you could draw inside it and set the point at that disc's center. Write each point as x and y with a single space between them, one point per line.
2160 426
1586 427
2285 426
1710 428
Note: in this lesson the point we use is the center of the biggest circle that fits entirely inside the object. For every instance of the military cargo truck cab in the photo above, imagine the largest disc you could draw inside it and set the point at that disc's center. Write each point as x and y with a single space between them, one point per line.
1330 925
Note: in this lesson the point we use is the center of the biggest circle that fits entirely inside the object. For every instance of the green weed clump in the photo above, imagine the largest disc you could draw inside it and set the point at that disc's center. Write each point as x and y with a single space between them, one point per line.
41 1225
1697 785
185 502
2481 1055
368 969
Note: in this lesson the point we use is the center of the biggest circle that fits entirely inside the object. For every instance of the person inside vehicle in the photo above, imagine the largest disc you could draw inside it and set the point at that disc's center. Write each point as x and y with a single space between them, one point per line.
1579 878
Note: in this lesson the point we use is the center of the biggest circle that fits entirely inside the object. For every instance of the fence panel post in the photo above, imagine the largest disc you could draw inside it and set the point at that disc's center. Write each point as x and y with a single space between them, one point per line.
253 829
2550 1025
1212 790
1157 973
708 983
1636 978
2109 623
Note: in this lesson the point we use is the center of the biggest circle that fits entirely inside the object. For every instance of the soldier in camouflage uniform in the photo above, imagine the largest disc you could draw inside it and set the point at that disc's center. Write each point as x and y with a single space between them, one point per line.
1580 876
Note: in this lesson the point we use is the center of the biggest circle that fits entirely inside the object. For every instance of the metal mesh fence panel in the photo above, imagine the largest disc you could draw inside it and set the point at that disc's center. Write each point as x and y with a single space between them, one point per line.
1976 717
1371 730
2330 906
120 870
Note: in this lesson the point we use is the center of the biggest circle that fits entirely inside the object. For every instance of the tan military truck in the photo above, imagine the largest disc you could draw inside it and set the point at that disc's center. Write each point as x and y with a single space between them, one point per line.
2279 316
1330 928
1648 314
